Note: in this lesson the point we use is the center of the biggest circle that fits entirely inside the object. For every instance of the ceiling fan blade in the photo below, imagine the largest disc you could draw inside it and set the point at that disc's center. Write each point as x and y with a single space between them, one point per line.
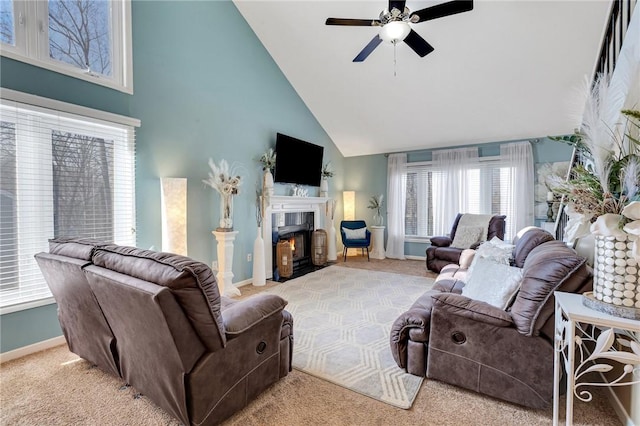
353 22
441 10
368 49
397 4
418 44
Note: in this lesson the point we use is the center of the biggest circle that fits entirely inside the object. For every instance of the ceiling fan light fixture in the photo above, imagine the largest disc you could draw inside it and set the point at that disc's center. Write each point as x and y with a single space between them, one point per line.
395 31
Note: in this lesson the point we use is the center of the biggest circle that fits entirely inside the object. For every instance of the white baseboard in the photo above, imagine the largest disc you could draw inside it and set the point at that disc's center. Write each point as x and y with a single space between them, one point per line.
31 349
416 258
243 283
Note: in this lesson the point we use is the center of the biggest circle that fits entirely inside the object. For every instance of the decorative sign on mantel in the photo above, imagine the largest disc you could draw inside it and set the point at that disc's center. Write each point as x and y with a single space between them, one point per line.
298 191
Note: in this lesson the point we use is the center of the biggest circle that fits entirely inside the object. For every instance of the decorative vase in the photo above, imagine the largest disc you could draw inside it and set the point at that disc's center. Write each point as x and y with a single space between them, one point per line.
332 255
226 212
324 187
259 275
616 280
377 219
268 182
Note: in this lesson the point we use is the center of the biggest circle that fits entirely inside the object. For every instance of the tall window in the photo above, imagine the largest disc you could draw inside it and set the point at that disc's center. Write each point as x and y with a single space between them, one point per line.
60 175
487 192
7 35
88 39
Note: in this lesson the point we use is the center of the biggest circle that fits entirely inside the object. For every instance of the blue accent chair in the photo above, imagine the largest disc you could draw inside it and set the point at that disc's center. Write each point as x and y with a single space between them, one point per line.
361 243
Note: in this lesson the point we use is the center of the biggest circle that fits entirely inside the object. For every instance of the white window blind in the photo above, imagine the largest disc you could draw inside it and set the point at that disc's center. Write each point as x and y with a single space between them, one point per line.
61 175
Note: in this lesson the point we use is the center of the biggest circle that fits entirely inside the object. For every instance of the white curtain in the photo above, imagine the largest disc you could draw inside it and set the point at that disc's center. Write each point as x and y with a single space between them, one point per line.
396 200
450 180
516 199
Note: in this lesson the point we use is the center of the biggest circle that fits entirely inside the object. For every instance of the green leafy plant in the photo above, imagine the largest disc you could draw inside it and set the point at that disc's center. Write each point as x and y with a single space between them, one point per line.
268 160
607 185
376 202
327 171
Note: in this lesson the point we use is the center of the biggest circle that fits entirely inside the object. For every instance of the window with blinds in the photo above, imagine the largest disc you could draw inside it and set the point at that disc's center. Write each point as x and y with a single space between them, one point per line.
487 191
61 175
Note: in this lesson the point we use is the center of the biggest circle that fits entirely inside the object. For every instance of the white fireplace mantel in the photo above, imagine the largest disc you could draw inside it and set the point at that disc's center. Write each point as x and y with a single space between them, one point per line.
288 204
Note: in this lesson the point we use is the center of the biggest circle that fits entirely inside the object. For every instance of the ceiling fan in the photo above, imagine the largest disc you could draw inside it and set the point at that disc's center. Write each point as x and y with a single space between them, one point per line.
394 22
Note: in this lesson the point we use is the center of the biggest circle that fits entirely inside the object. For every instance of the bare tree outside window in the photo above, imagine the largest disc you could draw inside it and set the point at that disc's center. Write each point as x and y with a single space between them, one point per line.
79 34
6 22
82 186
411 205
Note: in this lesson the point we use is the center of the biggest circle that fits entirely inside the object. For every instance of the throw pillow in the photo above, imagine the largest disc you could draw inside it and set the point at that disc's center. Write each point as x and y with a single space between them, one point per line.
493 283
355 234
466 236
495 250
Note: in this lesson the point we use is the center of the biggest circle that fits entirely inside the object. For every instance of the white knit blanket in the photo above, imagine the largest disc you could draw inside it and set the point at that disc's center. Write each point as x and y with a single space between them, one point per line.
477 220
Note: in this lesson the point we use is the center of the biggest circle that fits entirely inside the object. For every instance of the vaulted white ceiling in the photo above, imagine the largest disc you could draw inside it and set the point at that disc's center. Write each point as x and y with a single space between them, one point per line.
506 70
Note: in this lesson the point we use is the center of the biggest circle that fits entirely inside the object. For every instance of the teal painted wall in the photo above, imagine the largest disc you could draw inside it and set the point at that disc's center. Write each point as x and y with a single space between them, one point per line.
211 91
26 327
204 86
367 175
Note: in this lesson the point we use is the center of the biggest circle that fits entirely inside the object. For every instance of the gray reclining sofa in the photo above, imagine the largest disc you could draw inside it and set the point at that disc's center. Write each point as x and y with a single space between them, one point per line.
158 321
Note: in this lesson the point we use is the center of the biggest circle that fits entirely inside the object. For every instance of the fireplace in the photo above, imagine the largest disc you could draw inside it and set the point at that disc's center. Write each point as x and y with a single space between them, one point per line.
296 229
286 204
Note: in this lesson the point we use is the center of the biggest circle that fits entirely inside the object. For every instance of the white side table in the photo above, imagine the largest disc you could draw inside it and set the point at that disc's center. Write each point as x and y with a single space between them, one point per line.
377 242
225 262
576 324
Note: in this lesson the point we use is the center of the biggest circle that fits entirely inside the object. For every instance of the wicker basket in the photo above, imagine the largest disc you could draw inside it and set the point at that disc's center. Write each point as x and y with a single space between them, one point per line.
284 259
319 247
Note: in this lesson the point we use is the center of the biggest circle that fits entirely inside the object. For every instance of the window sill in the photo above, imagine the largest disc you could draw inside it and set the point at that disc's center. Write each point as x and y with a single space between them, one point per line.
422 240
68 71
26 305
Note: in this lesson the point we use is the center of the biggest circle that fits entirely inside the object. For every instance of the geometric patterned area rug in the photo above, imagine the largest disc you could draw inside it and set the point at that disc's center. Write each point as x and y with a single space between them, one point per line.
342 320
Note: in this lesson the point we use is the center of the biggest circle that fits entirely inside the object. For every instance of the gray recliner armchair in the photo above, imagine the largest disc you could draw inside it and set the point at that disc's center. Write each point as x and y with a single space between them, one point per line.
441 253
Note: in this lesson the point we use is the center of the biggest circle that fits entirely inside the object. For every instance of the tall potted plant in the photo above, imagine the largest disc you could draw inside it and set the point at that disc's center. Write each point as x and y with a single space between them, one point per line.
603 198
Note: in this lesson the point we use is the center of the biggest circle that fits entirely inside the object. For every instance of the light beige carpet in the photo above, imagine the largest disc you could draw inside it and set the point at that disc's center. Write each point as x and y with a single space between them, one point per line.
342 323
55 387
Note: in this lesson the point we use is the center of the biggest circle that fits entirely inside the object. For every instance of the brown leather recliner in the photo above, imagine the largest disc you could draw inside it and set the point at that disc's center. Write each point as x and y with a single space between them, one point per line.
440 253
198 355
506 354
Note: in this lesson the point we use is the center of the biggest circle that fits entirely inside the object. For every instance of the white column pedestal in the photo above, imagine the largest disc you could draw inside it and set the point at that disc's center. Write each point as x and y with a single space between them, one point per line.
377 242
225 262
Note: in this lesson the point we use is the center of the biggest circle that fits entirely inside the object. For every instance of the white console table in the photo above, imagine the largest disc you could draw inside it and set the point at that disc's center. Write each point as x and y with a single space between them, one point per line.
575 325
377 242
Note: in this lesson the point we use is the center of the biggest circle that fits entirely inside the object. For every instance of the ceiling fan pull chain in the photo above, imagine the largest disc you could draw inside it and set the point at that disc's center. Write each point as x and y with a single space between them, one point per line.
394 58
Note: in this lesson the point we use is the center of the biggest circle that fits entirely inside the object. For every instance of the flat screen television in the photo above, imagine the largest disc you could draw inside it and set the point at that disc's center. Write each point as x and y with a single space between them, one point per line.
297 161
